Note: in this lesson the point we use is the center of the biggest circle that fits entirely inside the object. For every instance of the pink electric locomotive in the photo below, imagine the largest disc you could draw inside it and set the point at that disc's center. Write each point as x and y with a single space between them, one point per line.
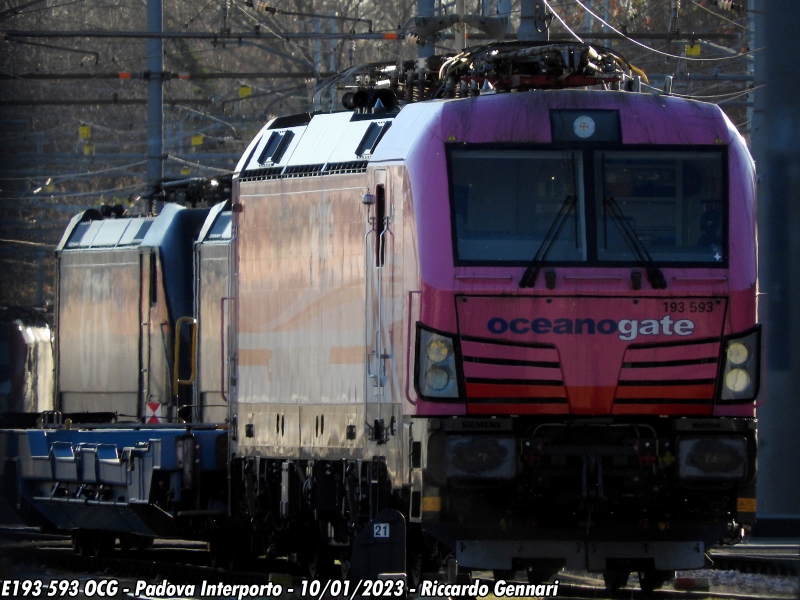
521 314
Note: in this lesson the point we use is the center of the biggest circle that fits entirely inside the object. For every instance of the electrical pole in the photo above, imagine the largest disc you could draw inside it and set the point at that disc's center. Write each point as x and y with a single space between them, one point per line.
775 131
426 8
534 22
155 109
460 28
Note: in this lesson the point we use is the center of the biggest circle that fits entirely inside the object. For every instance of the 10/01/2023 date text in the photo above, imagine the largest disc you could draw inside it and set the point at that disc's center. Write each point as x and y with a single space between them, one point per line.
382 588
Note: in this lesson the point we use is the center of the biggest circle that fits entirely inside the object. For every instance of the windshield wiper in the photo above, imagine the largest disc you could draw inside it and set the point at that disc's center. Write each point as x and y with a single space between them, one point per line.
532 272
654 274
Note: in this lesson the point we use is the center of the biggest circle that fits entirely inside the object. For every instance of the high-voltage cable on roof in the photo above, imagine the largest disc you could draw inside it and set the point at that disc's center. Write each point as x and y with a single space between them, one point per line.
495 68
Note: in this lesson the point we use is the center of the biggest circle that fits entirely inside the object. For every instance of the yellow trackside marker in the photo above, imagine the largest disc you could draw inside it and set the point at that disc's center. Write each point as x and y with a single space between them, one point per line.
746 505
692 49
452 138
245 91
432 503
197 139
84 131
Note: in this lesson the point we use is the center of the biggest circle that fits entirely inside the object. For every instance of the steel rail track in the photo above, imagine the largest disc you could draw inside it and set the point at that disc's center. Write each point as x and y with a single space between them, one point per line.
758 557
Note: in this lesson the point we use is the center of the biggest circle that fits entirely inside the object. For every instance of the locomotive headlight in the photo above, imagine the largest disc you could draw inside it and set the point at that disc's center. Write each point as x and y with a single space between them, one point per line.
739 380
437 378
737 353
438 350
436 368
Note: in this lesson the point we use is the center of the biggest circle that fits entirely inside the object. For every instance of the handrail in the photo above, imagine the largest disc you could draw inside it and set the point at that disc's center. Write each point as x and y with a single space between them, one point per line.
176 377
222 349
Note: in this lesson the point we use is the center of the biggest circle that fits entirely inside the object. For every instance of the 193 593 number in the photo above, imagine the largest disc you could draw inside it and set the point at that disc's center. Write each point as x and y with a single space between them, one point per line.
693 306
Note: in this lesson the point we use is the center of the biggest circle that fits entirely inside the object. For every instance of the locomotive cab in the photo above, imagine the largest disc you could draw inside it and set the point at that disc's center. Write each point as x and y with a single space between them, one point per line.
587 353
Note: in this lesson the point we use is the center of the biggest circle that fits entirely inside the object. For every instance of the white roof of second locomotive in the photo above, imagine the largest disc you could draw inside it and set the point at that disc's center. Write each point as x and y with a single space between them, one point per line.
327 139
332 138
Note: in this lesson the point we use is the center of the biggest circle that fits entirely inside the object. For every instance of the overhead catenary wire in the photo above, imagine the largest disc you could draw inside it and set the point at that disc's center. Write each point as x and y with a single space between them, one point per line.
182 161
727 96
66 176
651 49
119 190
560 20
27 243
723 17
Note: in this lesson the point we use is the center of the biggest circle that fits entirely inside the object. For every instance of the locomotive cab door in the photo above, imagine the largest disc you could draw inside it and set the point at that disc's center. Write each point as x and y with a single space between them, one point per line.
379 247
386 324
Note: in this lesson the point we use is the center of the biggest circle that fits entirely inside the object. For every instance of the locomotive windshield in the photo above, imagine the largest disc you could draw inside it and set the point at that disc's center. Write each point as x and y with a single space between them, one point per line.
672 201
506 202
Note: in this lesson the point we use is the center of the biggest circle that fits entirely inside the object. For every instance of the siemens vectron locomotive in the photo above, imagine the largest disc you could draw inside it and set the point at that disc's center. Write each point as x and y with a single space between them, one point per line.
498 314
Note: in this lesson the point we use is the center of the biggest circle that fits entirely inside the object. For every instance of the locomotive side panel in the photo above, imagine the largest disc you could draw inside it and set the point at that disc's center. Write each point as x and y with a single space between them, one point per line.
26 368
212 281
99 332
212 263
301 314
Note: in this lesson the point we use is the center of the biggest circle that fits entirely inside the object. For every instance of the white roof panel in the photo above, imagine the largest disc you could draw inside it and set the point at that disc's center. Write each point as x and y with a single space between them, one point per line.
263 140
408 125
321 139
110 232
88 237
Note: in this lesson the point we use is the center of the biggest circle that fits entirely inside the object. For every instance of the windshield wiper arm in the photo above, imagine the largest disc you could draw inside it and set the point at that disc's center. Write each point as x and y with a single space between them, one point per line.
654 274
532 272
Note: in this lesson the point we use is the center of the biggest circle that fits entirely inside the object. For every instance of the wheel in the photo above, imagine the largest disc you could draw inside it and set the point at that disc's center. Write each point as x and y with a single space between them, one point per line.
615 580
83 542
414 568
102 543
344 564
77 541
651 579
321 563
222 555
144 543
543 570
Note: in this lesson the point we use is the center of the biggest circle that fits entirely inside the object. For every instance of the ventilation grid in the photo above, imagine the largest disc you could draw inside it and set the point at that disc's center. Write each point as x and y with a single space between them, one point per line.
339 168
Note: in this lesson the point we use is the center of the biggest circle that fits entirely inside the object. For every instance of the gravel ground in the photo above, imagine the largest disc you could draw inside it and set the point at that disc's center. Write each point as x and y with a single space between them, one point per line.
749 583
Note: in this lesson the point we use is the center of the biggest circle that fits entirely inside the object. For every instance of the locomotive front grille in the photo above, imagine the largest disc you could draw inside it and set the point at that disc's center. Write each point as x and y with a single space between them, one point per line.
498 374
674 374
